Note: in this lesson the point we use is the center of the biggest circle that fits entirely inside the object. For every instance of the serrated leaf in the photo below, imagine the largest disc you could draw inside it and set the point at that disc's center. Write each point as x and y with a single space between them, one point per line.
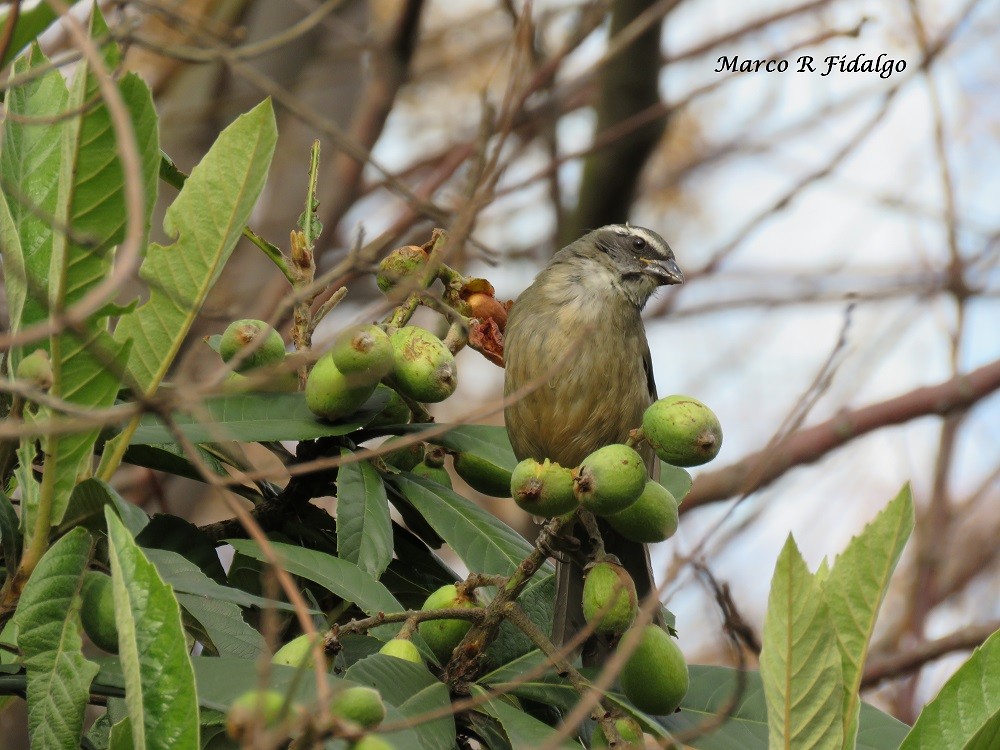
223 623
343 578
159 678
206 218
186 577
965 715
31 21
800 661
413 690
854 589
48 624
483 542
713 690
364 529
256 417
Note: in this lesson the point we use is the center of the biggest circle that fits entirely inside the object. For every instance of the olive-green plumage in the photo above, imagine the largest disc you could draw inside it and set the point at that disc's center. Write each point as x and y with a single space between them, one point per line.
577 334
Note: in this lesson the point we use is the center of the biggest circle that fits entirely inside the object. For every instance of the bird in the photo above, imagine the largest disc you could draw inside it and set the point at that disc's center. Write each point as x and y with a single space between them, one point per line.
577 334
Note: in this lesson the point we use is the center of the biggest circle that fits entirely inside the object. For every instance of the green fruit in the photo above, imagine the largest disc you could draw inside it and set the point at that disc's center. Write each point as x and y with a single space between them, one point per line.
651 518
655 676
283 382
610 479
423 367
36 369
628 729
362 705
542 489
296 653
402 648
404 458
395 412
402 264
240 334
443 635
608 588
372 742
365 351
482 475
435 473
98 611
682 431
253 707
332 395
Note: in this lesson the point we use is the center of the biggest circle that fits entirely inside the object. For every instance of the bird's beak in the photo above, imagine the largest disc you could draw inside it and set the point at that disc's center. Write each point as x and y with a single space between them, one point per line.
664 270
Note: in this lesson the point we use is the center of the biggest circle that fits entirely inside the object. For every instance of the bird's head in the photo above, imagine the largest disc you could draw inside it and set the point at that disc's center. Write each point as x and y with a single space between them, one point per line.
636 260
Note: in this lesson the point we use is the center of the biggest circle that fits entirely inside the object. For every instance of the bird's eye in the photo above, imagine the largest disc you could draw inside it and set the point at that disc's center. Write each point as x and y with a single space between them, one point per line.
638 243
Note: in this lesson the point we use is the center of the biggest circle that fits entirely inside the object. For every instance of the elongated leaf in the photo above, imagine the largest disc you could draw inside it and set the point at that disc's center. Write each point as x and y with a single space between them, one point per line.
31 21
48 623
254 417
720 689
800 661
207 218
854 590
87 503
159 679
364 530
343 578
524 731
10 536
482 541
489 442
186 577
675 479
223 623
966 713
411 689
171 459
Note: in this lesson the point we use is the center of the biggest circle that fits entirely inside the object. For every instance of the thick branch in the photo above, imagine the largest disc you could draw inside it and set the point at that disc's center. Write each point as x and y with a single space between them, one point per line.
809 445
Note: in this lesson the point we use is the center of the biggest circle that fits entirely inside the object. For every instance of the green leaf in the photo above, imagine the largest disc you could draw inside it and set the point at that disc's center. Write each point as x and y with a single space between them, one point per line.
854 589
159 678
712 691
10 536
538 602
676 480
966 713
364 530
343 578
87 503
187 578
800 661
482 541
48 624
206 218
171 458
524 731
414 691
256 417
121 736
30 23
489 442
224 625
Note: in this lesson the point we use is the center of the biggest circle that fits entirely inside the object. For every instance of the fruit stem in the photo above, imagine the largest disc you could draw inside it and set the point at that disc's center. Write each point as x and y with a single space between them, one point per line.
635 437
594 532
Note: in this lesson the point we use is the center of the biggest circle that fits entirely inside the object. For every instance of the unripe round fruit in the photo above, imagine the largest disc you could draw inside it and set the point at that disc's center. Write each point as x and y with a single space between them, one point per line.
682 430
543 489
36 368
241 334
372 742
395 412
403 458
482 475
332 395
406 263
609 588
402 648
628 729
437 474
423 367
296 653
279 382
655 676
362 705
610 479
98 611
366 351
263 706
443 635
651 518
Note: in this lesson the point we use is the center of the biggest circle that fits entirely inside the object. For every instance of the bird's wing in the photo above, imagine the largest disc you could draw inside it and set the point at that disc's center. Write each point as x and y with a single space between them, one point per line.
647 367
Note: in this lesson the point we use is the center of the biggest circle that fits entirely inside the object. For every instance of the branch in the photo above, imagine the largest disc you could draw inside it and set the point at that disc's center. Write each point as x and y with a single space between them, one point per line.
809 445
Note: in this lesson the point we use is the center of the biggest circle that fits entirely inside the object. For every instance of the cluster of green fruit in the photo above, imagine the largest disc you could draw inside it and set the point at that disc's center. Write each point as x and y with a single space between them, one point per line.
612 482
254 345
